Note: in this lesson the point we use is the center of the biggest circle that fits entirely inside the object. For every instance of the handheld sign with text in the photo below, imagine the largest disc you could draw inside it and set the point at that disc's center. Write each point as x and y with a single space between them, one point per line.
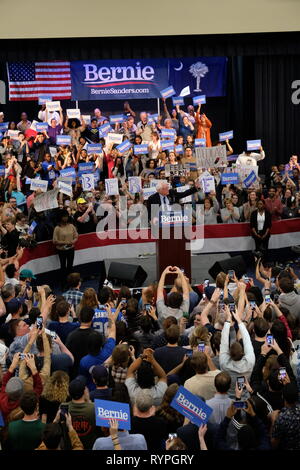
73 113
140 149
105 129
88 183
86 167
53 106
39 184
154 117
147 192
65 188
168 134
106 410
190 406
168 145
253 145
225 136
179 149
111 187
2 170
124 146
44 99
86 118
41 126
167 92
178 100
63 140
117 119
112 138
52 151
4 126
14 135
200 142
201 99
135 184
68 173
94 148
32 227
230 178
251 178
208 184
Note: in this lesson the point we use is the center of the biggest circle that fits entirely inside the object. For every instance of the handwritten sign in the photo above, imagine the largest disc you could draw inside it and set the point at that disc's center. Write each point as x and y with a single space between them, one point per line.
167 92
46 201
88 182
53 106
73 113
208 184
111 187
208 157
135 184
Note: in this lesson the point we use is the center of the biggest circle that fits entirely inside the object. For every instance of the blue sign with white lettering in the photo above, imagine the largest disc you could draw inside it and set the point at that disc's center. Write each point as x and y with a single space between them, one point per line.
124 146
4 126
2 170
106 410
63 140
253 144
32 227
167 145
87 167
140 149
225 136
229 178
178 100
167 92
189 405
68 173
44 99
179 149
41 126
105 129
168 134
200 142
251 178
199 100
94 148
117 118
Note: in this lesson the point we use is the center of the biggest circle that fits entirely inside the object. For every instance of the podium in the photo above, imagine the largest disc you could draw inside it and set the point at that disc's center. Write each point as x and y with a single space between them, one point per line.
171 250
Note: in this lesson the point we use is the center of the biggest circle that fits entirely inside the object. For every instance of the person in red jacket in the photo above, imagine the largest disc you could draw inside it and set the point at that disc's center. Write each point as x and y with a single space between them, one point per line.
12 387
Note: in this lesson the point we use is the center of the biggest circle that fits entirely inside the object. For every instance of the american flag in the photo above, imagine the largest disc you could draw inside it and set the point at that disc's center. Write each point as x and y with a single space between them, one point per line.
30 80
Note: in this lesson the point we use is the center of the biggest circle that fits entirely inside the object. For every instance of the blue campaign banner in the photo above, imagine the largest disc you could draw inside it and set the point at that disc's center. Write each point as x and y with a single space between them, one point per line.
43 99
68 173
251 178
32 227
167 145
124 146
41 126
230 178
232 158
253 144
225 136
2 170
178 100
200 142
117 118
106 410
87 167
179 149
4 126
63 140
168 134
199 100
189 405
204 75
105 129
167 92
94 148
118 79
140 149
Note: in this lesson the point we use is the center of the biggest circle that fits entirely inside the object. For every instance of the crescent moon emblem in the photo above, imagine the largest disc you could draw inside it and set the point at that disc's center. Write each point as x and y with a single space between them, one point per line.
179 68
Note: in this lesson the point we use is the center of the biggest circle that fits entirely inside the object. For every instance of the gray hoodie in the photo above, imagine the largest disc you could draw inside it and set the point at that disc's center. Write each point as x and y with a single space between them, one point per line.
291 301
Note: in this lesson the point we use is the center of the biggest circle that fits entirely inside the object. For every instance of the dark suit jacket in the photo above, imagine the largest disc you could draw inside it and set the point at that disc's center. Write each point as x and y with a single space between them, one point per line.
267 224
173 197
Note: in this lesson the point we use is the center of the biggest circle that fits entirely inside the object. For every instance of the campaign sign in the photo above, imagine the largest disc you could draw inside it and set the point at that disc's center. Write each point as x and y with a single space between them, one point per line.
174 218
111 186
117 118
124 146
225 136
208 184
251 178
14 135
178 100
179 149
253 145
63 140
230 178
105 129
44 99
88 182
168 134
4 126
2 170
53 106
85 167
65 188
200 142
73 113
68 173
140 149
106 410
94 148
38 184
86 118
190 406
135 184
41 126
167 145
232 158
154 117
201 99
147 192
32 227
167 92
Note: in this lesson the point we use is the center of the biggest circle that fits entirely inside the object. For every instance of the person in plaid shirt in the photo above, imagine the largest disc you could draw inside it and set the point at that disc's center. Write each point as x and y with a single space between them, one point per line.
73 295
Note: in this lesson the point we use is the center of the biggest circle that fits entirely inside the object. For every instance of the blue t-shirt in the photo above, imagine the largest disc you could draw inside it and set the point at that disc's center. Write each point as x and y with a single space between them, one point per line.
63 329
100 319
88 361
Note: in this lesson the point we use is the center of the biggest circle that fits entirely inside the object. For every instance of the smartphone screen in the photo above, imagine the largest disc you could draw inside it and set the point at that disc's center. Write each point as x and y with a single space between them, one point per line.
270 339
267 299
172 436
282 372
201 347
252 303
232 307
240 404
39 322
231 273
240 382
189 352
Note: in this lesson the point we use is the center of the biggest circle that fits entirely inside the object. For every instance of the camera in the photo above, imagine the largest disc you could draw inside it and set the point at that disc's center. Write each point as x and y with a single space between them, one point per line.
267 299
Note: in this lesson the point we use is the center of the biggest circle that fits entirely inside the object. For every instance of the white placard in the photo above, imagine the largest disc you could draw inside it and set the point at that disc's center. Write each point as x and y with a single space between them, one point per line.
208 184
181 189
53 106
88 182
112 138
86 118
52 151
39 184
33 125
209 157
46 201
73 113
135 184
111 186
65 188
14 135
147 192
154 182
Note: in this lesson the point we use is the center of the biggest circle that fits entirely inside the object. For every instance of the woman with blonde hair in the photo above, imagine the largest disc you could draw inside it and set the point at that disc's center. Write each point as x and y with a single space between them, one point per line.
56 391
89 299
199 335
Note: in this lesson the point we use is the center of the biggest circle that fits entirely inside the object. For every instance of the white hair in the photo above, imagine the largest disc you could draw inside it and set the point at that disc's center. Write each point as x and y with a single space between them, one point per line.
160 185
143 400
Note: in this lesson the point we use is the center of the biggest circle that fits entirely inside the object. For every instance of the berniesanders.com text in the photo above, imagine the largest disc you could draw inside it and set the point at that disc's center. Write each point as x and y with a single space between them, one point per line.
118 91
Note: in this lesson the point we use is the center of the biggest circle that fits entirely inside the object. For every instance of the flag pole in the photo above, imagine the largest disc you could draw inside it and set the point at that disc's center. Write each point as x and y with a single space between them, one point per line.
158 107
76 104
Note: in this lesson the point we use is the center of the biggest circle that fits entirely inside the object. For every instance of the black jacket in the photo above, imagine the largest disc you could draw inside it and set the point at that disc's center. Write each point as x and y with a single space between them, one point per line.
267 224
173 197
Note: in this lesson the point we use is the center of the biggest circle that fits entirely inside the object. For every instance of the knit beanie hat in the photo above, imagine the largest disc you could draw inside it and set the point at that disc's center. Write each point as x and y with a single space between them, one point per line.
14 388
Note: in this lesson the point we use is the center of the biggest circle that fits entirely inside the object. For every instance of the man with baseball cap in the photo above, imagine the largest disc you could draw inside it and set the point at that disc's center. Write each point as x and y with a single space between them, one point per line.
100 378
27 275
85 217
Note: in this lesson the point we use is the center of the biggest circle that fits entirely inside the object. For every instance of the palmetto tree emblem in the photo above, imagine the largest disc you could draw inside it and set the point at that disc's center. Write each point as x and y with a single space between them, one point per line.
198 70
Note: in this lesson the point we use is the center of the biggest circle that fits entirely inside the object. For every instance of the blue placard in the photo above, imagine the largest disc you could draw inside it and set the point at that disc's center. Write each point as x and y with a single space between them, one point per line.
1 421
251 178
140 149
2 170
87 167
105 410
167 145
253 145
124 146
154 117
189 405
175 218
178 100
117 118
44 99
68 173
168 134
105 129
200 142
225 136
167 92
32 227
229 178
232 158
4 126
201 99
63 140
179 149
94 148
41 126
